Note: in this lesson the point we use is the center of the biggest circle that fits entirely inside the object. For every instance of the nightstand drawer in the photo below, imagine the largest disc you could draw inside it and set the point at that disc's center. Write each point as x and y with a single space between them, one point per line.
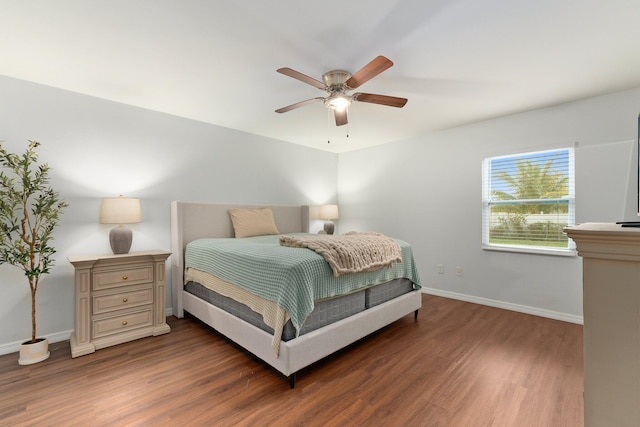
125 322
122 300
133 275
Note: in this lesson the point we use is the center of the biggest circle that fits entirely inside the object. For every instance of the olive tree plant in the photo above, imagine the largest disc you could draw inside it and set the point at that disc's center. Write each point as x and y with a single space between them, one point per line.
29 211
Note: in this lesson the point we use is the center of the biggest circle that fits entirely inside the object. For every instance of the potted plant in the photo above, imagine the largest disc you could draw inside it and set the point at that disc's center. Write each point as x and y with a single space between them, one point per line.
29 211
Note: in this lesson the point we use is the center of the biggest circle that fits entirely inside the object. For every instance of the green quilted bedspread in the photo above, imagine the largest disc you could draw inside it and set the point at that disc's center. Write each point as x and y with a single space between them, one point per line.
292 277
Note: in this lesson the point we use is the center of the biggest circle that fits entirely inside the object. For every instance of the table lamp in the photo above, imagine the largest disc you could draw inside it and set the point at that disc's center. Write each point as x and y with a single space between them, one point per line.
328 213
120 210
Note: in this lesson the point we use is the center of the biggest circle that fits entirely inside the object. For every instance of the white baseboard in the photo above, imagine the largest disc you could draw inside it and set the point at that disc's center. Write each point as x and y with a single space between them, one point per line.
571 318
14 347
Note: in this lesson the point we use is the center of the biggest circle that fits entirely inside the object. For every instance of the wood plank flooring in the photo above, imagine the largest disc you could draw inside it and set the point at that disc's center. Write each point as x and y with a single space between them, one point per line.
458 364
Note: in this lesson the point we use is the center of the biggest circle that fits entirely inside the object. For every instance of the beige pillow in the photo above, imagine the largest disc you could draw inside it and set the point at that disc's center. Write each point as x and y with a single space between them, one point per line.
253 222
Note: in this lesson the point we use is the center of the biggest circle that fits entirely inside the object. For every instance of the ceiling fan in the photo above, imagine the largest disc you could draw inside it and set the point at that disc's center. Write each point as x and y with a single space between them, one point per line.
337 84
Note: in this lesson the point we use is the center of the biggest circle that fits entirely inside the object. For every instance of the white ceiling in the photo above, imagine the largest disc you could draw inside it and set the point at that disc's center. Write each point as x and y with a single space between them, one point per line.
457 61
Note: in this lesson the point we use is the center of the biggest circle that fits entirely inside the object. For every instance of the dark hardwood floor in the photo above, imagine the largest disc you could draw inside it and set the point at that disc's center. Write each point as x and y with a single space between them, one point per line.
459 364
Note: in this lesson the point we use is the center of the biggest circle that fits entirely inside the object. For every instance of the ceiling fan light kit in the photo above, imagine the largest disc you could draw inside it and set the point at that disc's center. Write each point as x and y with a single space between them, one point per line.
337 84
337 101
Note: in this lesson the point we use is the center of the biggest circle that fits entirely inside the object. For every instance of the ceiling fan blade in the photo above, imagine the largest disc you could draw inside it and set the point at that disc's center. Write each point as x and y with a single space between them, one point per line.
369 71
391 101
341 117
302 77
298 105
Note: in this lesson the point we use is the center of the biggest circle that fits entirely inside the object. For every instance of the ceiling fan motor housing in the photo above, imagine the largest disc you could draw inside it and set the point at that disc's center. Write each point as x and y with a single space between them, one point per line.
336 86
336 79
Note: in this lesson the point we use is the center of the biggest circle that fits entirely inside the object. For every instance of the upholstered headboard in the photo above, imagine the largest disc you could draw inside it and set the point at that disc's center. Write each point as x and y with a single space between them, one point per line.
194 220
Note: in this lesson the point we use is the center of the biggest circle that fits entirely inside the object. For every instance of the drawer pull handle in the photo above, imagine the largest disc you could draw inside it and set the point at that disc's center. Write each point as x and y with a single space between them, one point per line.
125 277
124 323
125 299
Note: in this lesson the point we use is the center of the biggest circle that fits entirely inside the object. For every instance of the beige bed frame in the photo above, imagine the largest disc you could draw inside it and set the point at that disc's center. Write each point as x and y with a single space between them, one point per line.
190 221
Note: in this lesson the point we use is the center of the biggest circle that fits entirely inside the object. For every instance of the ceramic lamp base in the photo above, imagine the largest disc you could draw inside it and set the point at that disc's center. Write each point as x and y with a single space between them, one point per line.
329 227
120 239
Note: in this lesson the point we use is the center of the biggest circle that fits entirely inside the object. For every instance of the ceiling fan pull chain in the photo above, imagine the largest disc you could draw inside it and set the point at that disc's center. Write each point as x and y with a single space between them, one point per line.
347 125
328 125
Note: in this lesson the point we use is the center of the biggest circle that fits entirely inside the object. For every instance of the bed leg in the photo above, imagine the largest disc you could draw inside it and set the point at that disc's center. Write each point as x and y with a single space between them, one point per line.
292 380
415 315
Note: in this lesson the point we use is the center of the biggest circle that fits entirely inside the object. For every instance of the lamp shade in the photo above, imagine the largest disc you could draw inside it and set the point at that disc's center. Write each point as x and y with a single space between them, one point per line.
329 212
120 210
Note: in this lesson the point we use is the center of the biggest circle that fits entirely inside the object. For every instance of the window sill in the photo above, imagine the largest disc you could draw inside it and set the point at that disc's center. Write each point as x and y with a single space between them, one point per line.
534 251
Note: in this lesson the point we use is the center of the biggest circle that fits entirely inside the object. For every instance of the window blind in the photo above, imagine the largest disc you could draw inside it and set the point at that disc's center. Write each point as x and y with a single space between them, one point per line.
528 199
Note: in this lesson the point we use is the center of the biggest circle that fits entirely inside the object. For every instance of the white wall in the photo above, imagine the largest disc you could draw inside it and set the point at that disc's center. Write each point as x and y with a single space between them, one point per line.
428 191
425 190
98 148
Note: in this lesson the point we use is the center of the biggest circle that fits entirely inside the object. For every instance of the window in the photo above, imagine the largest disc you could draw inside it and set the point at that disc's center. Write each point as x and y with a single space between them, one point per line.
528 199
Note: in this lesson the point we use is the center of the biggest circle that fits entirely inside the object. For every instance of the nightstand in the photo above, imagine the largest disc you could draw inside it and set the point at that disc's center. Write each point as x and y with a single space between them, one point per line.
118 298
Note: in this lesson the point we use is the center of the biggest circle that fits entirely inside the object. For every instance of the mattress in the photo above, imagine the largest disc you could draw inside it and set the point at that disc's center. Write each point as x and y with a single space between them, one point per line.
293 278
384 292
324 313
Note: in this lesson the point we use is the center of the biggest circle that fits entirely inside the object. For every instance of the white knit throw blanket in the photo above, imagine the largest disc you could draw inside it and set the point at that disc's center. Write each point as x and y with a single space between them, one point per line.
350 253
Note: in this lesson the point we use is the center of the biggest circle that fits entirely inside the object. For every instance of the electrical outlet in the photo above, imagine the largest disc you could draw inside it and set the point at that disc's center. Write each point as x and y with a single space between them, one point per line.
459 271
440 268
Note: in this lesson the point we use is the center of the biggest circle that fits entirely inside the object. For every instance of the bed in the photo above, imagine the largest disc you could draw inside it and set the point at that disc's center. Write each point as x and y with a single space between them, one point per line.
334 322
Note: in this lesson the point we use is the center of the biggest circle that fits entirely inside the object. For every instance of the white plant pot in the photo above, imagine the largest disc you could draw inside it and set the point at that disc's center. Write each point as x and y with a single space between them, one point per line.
31 353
